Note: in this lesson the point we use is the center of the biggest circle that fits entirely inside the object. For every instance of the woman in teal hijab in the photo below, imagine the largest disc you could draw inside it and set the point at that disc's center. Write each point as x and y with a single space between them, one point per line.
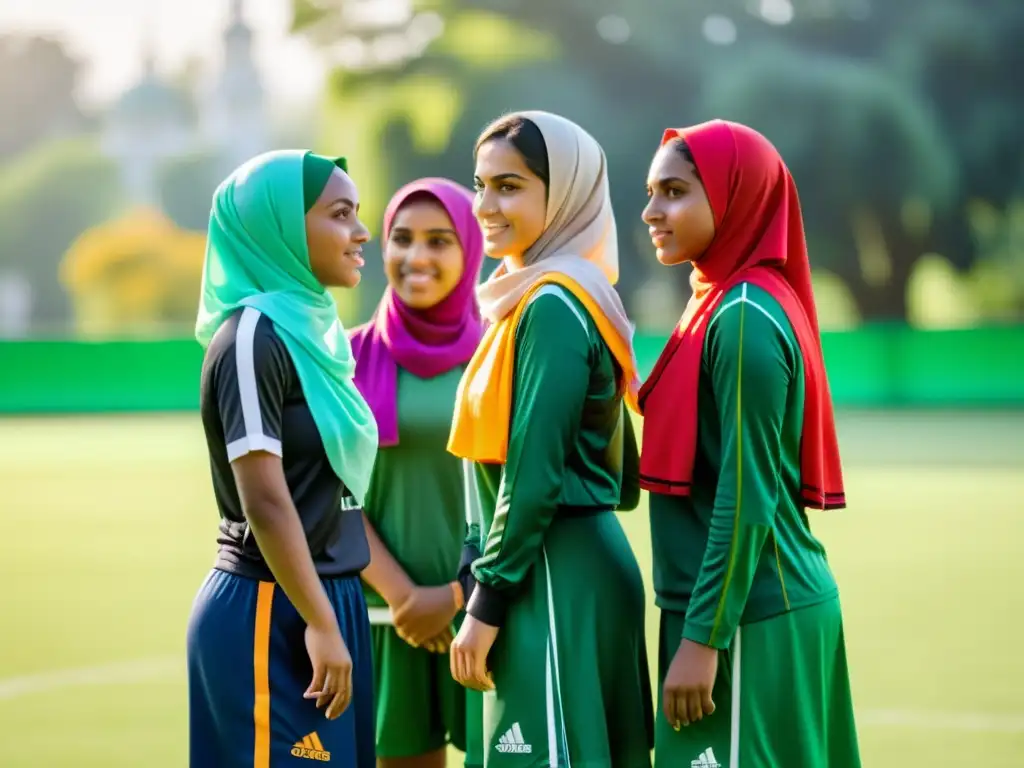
292 445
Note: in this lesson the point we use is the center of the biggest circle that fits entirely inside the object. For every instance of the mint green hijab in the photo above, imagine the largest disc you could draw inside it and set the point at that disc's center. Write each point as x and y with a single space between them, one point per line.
256 256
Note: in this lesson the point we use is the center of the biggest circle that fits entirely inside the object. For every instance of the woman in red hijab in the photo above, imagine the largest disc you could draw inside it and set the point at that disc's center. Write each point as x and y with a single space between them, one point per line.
738 441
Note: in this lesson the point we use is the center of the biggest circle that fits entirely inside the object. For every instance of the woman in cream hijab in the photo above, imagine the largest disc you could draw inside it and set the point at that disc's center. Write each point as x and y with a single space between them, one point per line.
555 613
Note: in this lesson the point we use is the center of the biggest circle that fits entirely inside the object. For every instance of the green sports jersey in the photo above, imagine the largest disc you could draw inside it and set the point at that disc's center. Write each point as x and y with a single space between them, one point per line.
739 549
553 567
563 458
415 500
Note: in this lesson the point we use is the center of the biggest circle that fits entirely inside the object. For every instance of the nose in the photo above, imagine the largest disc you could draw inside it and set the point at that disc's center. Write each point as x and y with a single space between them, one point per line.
417 255
360 234
485 203
651 213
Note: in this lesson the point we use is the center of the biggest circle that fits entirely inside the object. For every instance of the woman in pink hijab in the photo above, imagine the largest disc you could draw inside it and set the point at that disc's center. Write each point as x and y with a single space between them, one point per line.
409 360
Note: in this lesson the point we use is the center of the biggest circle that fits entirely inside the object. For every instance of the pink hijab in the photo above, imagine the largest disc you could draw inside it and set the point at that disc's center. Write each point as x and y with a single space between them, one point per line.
426 343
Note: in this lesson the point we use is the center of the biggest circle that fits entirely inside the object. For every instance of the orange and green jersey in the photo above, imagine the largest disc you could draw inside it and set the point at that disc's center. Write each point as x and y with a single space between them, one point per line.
739 549
571 451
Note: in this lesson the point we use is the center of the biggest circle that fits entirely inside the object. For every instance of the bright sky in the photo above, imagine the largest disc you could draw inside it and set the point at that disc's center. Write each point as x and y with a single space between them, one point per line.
109 36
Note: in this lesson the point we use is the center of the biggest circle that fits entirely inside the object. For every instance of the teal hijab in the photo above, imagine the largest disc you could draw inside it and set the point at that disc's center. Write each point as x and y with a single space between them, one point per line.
256 256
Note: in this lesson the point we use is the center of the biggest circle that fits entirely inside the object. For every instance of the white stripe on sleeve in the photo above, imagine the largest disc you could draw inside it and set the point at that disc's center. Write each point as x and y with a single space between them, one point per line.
248 391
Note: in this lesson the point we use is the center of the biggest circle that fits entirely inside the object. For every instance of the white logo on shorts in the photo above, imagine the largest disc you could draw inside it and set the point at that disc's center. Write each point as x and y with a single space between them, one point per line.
512 742
706 760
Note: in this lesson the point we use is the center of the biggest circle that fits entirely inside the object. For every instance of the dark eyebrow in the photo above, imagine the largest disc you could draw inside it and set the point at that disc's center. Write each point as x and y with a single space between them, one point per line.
344 200
671 179
500 178
437 231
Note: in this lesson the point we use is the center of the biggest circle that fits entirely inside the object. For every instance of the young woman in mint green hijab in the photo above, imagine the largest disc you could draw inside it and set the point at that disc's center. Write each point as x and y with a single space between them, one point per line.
278 641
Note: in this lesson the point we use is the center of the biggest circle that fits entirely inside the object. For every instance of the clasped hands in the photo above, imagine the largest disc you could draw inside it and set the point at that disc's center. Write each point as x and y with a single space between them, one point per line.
423 618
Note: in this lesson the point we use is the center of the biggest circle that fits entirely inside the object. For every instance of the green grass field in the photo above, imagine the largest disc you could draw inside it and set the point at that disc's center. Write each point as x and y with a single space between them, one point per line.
107 528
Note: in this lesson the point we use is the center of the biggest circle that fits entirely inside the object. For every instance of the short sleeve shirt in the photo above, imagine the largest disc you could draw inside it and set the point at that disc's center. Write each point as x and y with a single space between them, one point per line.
251 399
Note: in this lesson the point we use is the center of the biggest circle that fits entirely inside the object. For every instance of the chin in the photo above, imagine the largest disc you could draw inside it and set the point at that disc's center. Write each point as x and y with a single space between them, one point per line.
415 300
669 258
350 280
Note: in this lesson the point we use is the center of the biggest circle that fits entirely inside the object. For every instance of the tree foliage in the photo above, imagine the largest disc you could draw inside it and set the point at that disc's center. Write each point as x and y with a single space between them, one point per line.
47 197
134 275
895 117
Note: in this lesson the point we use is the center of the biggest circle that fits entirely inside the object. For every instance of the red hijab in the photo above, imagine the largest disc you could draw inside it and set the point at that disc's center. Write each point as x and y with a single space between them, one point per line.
759 239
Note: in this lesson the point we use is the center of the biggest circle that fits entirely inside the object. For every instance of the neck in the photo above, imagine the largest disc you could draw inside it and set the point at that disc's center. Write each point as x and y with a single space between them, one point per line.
513 262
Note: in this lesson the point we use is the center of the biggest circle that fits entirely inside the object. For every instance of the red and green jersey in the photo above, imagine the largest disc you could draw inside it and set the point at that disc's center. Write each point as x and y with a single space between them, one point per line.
740 549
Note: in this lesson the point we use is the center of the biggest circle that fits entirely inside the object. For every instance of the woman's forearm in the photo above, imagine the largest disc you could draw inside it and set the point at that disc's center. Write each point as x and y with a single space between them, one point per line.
282 542
384 573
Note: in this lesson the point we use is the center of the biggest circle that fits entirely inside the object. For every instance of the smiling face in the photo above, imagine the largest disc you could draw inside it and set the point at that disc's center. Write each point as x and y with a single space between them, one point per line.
423 259
510 203
335 235
678 212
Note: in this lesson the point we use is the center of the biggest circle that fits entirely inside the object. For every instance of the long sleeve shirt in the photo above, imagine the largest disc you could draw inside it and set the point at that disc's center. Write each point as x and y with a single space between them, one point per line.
739 549
570 442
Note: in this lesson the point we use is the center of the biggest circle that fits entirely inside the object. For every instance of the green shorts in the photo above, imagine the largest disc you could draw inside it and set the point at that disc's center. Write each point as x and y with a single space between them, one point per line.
474 730
572 686
782 697
420 708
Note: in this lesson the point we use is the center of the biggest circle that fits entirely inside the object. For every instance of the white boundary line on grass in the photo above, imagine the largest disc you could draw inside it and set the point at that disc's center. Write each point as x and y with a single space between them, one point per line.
117 673
941 721
171 667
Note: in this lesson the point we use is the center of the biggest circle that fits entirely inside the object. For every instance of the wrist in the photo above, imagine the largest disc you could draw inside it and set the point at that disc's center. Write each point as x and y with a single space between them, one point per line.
324 619
398 594
700 637
458 596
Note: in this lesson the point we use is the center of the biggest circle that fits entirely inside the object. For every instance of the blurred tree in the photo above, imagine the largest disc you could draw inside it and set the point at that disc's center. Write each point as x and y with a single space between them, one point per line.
894 116
186 188
996 279
873 154
47 197
37 88
969 55
487 60
137 275
961 58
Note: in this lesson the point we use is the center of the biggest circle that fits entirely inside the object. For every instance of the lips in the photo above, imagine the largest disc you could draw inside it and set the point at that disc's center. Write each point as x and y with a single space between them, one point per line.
493 230
419 278
659 236
356 256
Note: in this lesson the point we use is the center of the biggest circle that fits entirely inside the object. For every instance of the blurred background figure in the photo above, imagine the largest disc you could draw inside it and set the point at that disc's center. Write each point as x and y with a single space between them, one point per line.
410 359
899 120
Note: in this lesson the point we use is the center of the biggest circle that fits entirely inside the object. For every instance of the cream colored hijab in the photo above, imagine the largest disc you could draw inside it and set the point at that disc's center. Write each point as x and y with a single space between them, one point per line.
579 238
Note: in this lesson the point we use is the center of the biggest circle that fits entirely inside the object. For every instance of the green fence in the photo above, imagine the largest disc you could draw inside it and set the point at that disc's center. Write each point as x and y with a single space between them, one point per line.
883 367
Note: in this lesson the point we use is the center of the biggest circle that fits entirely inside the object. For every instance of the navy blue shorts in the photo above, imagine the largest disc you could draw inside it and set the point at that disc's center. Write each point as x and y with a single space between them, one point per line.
248 669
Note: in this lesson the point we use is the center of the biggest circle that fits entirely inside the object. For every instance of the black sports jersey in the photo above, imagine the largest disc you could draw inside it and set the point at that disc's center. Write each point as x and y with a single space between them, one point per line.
251 400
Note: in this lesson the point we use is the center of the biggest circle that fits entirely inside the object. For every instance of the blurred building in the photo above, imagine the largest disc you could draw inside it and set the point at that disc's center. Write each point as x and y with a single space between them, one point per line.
156 120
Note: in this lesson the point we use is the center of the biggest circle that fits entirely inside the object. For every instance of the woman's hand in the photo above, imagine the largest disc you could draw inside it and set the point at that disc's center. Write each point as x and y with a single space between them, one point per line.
331 685
441 643
468 654
686 696
425 614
